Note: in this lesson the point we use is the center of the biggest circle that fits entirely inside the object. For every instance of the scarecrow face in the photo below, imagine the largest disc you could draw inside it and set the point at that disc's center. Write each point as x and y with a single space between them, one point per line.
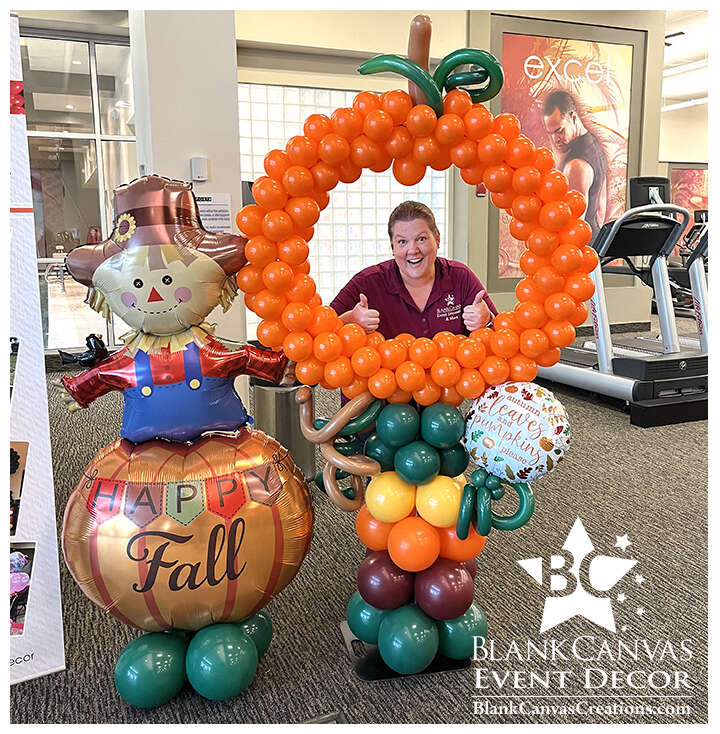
160 289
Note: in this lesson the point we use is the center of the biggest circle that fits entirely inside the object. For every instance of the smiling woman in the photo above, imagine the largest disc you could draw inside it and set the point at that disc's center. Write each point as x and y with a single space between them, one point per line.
416 292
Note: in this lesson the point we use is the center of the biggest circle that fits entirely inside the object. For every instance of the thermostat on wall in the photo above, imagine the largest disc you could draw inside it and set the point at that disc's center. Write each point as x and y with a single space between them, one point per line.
198 169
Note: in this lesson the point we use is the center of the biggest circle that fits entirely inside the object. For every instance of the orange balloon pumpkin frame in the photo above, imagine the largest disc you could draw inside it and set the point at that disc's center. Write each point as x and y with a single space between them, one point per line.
378 132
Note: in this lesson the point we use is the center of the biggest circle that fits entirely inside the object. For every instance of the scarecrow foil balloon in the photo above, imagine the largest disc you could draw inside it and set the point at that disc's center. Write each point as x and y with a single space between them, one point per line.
191 520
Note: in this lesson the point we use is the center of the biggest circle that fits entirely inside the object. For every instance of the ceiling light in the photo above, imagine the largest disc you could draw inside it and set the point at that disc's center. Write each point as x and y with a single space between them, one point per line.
76 62
683 105
69 106
692 66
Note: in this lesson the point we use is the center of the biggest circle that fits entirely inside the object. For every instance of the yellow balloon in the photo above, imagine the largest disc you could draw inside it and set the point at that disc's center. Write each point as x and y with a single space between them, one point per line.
439 501
389 498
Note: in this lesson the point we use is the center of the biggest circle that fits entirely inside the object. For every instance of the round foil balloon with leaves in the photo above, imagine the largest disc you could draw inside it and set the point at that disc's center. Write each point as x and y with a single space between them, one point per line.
518 431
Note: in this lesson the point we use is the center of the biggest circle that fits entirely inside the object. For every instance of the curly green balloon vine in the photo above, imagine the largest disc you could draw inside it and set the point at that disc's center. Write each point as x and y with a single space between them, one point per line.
485 70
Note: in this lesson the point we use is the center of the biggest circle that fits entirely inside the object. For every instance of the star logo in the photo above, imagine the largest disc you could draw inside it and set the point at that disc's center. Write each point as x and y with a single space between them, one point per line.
450 299
602 572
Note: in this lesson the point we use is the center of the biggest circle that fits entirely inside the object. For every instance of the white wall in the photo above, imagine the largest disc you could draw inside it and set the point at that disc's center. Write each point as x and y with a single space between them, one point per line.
684 135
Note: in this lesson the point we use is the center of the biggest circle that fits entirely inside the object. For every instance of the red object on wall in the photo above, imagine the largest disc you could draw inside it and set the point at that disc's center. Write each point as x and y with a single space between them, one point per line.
17 99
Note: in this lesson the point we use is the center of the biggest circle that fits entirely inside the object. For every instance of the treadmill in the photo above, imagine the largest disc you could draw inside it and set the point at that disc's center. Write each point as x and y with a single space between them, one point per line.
666 384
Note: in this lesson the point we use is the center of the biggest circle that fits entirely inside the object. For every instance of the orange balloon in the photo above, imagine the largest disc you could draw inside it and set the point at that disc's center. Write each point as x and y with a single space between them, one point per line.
526 290
366 361
464 154
451 396
483 335
474 174
450 129
549 358
249 279
504 343
470 384
553 186
526 208
373 534
338 372
348 171
382 384
560 306
397 104
317 126
357 387
375 339
298 181
325 176
249 299
392 353
378 125
298 345
548 280
460 550
408 171
577 203
271 333
277 276
310 371
542 242
303 210
333 149
269 193
560 333
495 370
580 315
365 152
498 177
293 251
277 225
269 305
520 151
578 233
324 319
530 314
327 346
276 162
503 199
526 180
421 120
531 263
446 342
413 544
522 368
580 286
522 230
567 259
426 150
424 352
249 220
405 338
322 199
302 288
400 396
260 251
554 216
506 320
314 300
533 342
491 149
544 160
478 122
347 122
470 353
400 143
590 260
410 376
429 393
445 371
352 337
457 102
302 151
507 125
365 102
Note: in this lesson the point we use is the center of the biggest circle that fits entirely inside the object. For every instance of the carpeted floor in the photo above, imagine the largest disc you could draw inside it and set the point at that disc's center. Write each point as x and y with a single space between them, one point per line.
650 484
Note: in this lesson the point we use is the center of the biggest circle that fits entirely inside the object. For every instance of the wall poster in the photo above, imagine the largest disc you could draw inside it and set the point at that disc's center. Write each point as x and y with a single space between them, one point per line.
573 97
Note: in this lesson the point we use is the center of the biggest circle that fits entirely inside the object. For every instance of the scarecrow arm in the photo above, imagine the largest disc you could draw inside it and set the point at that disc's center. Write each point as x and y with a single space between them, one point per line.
217 361
117 372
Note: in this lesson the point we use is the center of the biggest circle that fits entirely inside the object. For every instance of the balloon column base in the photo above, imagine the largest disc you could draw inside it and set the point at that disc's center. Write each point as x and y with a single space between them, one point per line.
372 668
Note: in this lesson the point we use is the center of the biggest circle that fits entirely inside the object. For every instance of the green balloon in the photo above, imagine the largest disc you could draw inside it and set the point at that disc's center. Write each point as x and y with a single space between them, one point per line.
381 452
397 424
478 477
221 661
493 482
441 425
454 461
151 669
408 639
457 635
417 463
259 628
363 619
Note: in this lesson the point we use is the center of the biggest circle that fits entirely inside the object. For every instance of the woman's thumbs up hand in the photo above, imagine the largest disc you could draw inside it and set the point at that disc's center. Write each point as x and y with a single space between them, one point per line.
477 314
365 316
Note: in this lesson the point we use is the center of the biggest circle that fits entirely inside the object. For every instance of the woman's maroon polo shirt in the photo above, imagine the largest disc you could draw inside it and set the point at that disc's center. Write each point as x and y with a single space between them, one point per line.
454 288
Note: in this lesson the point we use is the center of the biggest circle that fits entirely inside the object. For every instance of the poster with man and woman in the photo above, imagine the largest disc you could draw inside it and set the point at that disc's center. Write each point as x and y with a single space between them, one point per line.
572 97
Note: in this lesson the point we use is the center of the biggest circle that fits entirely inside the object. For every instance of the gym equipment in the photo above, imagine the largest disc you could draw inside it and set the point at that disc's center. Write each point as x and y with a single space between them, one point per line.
662 382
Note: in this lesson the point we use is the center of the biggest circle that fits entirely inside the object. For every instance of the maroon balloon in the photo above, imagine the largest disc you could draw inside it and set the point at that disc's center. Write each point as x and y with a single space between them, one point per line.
445 590
382 584
470 566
